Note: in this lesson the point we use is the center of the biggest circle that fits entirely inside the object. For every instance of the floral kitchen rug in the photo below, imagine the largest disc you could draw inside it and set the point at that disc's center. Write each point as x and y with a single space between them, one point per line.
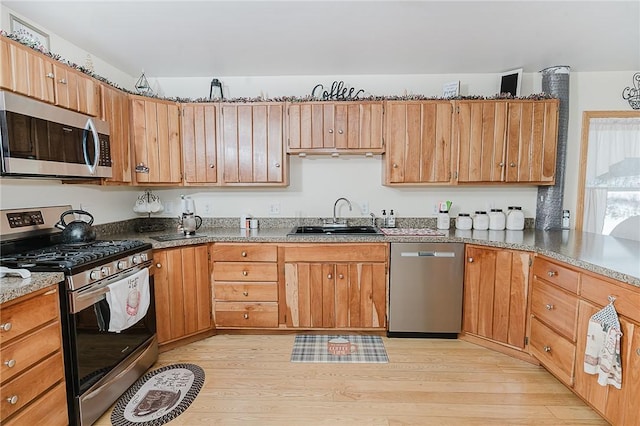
338 348
159 396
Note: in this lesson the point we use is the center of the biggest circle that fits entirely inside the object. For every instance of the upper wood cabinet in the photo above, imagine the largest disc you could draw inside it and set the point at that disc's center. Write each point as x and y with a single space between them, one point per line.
418 135
251 136
115 110
335 127
496 287
199 147
512 141
33 74
155 131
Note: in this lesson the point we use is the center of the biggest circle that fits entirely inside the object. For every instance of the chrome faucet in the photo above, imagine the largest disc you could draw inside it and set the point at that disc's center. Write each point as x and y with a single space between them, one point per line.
335 205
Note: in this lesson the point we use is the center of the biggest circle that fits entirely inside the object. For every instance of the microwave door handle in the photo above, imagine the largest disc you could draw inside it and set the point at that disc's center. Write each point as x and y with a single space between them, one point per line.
96 144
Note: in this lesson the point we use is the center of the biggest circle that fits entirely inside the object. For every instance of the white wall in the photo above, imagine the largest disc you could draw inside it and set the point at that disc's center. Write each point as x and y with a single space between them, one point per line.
317 182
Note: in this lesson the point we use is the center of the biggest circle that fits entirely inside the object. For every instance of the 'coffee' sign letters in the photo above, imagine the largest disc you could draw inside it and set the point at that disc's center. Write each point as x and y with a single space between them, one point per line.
337 92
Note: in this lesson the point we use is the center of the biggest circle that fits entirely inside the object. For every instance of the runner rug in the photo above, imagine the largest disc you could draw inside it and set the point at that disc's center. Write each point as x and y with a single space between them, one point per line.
338 348
159 396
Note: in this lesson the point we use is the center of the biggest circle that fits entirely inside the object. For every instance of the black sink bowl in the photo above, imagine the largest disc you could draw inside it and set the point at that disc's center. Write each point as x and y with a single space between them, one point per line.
335 230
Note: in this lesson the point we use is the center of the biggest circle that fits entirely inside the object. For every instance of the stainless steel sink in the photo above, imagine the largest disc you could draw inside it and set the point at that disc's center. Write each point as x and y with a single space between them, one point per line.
175 237
335 230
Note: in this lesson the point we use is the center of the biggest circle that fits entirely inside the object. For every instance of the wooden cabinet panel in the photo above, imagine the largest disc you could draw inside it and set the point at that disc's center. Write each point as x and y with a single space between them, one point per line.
237 314
30 73
254 291
556 308
6 74
418 136
52 406
115 111
182 292
30 313
358 252
245 271
155 134
252 137
241 252
556 353
199 147
598 290
556 273
327 127
495 294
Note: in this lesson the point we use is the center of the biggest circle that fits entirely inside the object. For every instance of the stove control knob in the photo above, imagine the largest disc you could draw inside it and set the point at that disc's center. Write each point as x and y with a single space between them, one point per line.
104 271
136 259
94 275
122 264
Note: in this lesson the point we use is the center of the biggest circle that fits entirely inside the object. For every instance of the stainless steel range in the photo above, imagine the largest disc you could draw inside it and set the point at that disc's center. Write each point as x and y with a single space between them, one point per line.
99 364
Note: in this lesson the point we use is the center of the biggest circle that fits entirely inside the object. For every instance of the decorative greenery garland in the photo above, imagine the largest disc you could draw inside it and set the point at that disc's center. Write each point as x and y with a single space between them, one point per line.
42 49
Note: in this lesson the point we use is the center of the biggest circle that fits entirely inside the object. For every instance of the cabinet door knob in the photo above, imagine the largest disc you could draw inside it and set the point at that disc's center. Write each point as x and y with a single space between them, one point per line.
638 351
62 81
246 316
549 306
10 363
330 130
341 276
243 254
395 166
277 165
470 260
245 293
329 276
340 131
552 273
512 164
547 348
211 166
6 326
245 273
158 265
501 164
49 75
13 400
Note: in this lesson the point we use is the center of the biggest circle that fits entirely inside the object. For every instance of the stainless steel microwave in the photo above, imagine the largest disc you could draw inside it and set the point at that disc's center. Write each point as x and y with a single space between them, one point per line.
43 140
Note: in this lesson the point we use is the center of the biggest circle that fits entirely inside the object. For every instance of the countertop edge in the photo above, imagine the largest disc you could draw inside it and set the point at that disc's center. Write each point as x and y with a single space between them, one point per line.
14 287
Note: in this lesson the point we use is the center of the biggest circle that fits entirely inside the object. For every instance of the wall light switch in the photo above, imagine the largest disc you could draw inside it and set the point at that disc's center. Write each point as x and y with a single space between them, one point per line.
274 209
364 208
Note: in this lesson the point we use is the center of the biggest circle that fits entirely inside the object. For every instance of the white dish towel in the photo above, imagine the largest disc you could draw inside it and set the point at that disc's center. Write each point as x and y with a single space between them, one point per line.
128 300
602 351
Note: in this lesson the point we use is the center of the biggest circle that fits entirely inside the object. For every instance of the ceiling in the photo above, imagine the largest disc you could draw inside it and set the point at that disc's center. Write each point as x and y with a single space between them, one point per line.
306 37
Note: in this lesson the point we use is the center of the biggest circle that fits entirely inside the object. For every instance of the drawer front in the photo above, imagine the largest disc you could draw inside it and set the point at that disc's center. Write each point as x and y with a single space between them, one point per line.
556 274
23 353
28 314
239 292
556 353
236 314
245 271
244 252
336 253
51 406
29 385
556 308
597 290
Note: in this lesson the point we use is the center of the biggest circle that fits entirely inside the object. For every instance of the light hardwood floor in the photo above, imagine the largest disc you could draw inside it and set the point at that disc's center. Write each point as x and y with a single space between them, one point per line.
250 381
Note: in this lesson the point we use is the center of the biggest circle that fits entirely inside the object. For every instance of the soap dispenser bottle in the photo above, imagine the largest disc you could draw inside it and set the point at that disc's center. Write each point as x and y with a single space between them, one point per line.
392 220
385 220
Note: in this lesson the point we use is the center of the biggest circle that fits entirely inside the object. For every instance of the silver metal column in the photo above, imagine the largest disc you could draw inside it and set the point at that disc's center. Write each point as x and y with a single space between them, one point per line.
555 81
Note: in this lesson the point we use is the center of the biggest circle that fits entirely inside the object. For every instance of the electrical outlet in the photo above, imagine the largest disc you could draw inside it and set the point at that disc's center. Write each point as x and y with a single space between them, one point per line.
207 207
274 209
364 208
168 207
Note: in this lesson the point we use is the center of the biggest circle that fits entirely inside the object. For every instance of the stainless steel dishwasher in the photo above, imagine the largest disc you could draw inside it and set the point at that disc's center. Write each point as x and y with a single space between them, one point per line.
425 289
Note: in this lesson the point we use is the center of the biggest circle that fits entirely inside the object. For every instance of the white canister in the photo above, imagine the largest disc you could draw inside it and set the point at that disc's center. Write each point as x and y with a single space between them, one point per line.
481 220
497 220
515 219
463 222
443 220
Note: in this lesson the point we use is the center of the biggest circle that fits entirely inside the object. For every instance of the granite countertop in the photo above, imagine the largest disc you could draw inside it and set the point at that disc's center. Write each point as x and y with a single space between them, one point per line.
616 258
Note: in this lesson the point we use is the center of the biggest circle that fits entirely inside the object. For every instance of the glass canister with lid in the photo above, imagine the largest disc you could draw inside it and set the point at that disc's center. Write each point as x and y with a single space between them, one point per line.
463 221
481 220
515 219
497 220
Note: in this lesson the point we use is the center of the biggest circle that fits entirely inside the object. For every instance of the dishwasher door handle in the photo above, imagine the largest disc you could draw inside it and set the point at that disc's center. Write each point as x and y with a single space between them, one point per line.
428 254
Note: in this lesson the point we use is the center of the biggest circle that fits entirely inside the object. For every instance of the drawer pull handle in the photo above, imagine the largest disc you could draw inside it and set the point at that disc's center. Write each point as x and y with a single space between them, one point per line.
6 326
62 81
330 130
512 164
243 254
245 273
10 363
500 164
548 306
395 166
246 316
329 276
13 400
470 260
552 273
245 293
49 75
547 348
211 166
341 276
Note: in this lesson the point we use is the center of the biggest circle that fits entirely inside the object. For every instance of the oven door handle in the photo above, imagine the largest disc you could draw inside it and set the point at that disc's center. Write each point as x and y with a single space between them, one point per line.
83 300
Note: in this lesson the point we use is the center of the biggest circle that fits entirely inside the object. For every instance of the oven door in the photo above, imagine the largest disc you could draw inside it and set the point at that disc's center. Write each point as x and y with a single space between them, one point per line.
95 351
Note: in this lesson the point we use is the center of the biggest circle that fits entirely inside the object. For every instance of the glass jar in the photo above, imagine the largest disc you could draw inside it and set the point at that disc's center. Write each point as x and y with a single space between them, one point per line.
515 219
481 220
463 221
497 220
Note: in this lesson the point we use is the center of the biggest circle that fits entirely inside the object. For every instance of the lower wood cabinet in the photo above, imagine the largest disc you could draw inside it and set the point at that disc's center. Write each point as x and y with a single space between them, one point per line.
182 293
496 287
334 286
245 285
32 371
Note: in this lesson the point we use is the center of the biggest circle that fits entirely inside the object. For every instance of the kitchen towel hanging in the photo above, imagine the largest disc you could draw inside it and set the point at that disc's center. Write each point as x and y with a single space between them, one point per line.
602 352
128 300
